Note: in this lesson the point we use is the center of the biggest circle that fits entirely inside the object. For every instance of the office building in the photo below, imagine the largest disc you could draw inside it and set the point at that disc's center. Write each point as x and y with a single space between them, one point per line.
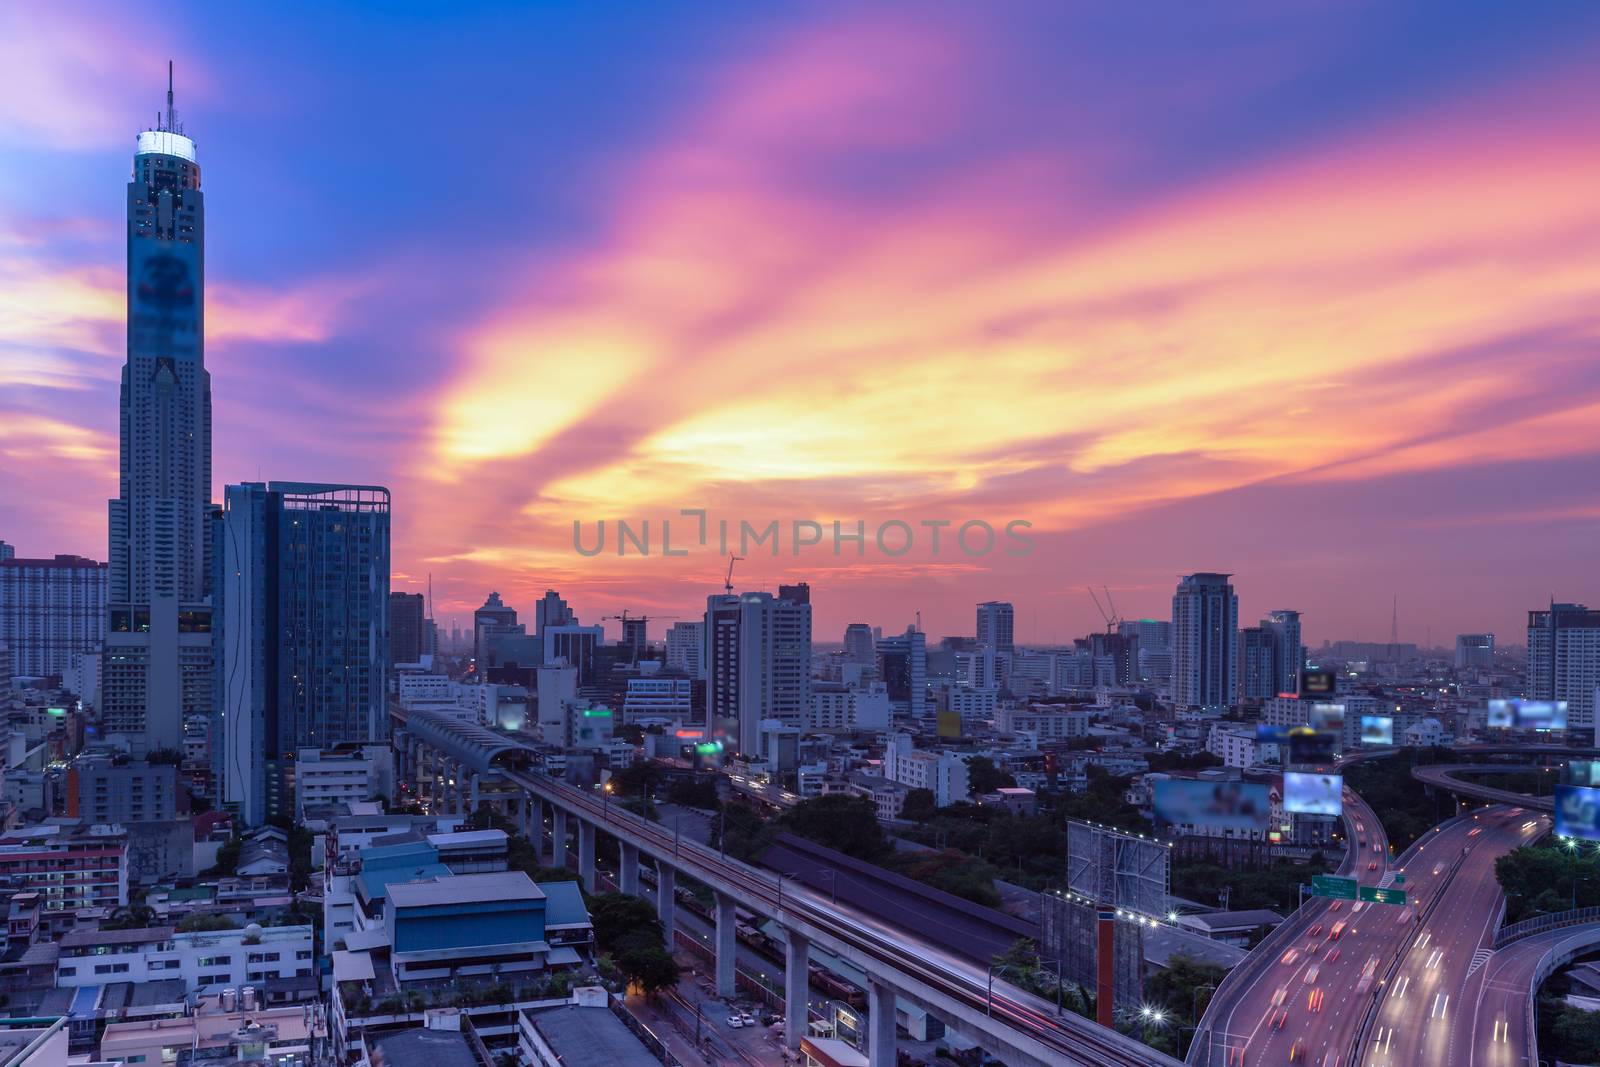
7 552
550 610
408 627
848 708
903 668
302 605
1154 637
758 666
1474 651
332 780
1116 659
1564 660
995 628
51 612
795 594
495 617
684 648
1205 624
573 644
1288 651
858 644
659 698
158 645
1045 722
69 867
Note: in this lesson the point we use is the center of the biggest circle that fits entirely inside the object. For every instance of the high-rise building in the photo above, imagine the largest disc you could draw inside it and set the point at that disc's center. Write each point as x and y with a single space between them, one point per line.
1205 623
903 668
408 628
6 552
1116 658
51 612
302 604
995 625
795 594
575 644
1474 650
635 635
1155 647
1258 674
158 645
858 644
758 666
685 648
550 610
1564 660
495 617
1288 651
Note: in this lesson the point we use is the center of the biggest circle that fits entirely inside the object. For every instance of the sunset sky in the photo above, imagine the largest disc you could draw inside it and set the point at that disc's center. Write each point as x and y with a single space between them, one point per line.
1305 292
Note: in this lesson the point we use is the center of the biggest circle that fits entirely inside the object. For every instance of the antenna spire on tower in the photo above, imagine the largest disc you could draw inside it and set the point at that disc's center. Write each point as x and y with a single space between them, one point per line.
172 124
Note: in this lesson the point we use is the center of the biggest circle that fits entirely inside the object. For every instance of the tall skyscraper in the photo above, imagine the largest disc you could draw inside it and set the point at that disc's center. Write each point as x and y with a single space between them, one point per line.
1258 672
684 648
158 645
1564 660
1205 623
903 668
302 607
1155 647
858 644
758 666
51 612
408 628
1474 650
995 627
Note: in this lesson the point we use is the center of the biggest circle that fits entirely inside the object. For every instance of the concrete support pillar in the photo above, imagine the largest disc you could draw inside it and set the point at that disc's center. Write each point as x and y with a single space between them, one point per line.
628 869
667 899
796 989
586 835
474 794
880 1024
727 942
558 840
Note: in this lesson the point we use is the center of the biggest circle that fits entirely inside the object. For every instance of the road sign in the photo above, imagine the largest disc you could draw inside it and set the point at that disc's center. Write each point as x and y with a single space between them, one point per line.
1399 879
1326 885
1374 895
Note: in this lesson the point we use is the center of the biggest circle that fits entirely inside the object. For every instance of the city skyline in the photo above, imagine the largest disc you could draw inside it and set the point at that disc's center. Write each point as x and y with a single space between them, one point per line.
1331 356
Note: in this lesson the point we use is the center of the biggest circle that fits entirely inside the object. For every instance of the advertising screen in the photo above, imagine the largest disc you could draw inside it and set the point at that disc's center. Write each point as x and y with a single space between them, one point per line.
1583 772
1541 714
1501 715
1328 717
1313 794
1311 746
1225 805
1275 735
1377 730
1578 812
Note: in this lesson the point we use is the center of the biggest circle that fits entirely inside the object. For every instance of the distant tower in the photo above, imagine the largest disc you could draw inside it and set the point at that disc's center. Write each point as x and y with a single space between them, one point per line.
1205 623
158 665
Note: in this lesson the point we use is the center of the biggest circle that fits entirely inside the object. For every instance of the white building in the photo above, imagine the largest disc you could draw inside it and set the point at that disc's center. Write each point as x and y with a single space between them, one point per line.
845 708
944 774
324 779
1045 723
669 699
1236 745
758 666
206 962
686 648
973 704
1564 660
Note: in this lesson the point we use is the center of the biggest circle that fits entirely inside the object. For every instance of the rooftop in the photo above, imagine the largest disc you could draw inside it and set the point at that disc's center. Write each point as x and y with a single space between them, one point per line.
421 1047
495 886
590 1037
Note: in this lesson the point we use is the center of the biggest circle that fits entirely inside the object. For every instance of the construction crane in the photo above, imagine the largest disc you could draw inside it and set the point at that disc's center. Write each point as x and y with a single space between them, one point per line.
1113 620
727 585
629 622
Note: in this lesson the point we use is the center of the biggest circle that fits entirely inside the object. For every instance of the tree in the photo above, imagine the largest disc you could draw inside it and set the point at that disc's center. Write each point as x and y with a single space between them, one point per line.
619 917
648 969
636 780
165 756
129 917
697 792
984 777
919 805
740 832
839 821
201 922
951 871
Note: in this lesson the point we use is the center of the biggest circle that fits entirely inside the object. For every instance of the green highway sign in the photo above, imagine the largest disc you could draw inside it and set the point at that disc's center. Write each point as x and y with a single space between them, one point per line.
1326 885
1374 895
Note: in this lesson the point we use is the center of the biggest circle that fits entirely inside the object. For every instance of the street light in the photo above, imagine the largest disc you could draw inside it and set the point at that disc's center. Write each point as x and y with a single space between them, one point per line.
605 813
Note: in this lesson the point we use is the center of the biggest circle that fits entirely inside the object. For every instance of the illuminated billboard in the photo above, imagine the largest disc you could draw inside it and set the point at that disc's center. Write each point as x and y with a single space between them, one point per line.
1377 730
1313 794
1583 772
1275 735
1541 714
1501 715
1243 806
1578 812
1311 746
1328 717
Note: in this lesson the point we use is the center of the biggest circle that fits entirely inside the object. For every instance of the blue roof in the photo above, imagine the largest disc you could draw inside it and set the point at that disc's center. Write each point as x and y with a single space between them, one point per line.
564 904
84 1001
375 883
411 852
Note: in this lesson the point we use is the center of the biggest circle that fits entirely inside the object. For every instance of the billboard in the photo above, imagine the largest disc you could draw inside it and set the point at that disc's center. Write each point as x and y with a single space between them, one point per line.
1501 715
1112 867
1328 717
1583 772
1242 806
164 299
1313 794
1578 812
1316 683
1311 746
1275 735
1377 730
1527 714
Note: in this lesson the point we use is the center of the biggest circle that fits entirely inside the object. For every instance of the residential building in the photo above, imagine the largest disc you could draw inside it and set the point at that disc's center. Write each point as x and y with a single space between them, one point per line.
1288 649
1258 674
574 1035
1474 651
106 791
758 666
1564 661
158 659
332 779
70 867
1154 638
52 611
1044 722
283 1036
206 962
944 774
973 704
669 698
1205 624
408 628
1237 745
301 612
848 708
995 626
